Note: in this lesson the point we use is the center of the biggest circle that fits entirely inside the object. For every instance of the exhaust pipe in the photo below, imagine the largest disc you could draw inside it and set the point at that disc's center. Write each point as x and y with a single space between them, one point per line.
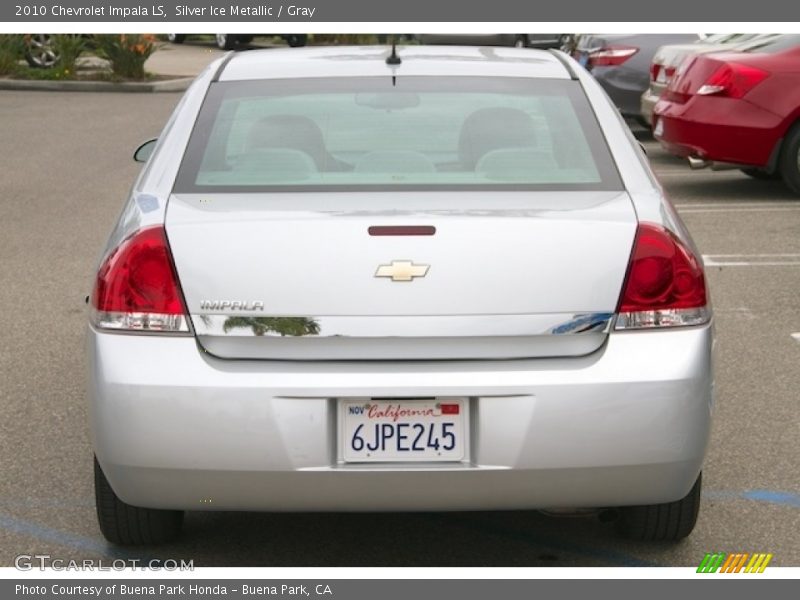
698 163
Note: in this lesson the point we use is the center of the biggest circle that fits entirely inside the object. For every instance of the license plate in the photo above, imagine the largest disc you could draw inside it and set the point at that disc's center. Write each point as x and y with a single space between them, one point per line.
403 430
659 128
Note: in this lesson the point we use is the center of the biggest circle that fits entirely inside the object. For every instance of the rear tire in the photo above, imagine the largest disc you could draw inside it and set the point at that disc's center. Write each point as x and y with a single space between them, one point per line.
761 174
789 163
668 522
566 43
296 40
225 41
124 524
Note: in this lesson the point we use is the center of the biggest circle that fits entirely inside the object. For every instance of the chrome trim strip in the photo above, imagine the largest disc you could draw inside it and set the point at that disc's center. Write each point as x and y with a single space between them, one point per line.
250 325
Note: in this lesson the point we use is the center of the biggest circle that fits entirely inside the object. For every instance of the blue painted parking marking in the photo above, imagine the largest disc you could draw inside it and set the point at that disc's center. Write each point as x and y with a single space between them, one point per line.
64 538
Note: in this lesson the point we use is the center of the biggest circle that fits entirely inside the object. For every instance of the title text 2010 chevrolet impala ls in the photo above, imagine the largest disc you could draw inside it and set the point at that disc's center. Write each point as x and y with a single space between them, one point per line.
441 279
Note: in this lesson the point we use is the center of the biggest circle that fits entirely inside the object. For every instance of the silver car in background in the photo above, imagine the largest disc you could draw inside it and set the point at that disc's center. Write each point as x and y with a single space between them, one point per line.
349 279
621 64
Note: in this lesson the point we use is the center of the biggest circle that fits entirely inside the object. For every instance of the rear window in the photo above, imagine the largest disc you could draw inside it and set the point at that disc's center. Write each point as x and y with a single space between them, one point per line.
396 134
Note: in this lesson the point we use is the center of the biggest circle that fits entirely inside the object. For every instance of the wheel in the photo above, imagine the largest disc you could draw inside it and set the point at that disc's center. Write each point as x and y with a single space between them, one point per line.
566 43
124 524
225 41
520 42
789 163
662 522
761 174
39 51
244 39
176 38
296 40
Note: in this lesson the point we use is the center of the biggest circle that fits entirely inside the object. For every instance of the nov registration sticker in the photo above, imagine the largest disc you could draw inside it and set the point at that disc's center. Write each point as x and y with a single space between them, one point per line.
403 430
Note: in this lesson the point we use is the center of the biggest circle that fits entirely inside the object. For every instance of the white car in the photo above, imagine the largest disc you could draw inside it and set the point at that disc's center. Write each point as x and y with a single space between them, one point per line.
349 279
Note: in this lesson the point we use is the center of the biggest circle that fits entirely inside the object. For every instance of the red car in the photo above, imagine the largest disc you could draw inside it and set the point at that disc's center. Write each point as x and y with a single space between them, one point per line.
739 109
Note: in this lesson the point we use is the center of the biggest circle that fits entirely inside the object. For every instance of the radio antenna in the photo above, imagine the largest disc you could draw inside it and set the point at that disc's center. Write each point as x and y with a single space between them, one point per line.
393 59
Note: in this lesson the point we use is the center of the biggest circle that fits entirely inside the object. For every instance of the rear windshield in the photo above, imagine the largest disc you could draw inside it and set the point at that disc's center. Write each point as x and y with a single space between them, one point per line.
407 133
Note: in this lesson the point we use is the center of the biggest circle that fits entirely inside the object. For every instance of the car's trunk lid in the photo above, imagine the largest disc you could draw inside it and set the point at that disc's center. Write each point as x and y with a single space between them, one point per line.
300 277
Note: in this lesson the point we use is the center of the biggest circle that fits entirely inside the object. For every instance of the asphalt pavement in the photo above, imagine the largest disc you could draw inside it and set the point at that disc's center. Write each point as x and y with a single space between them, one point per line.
66 170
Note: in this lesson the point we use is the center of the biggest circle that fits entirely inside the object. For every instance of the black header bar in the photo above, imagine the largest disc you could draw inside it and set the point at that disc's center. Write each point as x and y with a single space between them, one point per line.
443 11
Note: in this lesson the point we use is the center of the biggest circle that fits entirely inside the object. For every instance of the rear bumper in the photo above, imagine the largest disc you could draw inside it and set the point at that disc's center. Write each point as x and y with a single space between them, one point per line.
174 428
718 129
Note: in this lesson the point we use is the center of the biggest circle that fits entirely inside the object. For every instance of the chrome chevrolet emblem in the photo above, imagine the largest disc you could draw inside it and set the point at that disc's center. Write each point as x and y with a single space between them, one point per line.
402 270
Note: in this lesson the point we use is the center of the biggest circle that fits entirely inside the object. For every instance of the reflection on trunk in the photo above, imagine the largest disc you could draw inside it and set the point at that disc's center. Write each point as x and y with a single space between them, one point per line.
295 326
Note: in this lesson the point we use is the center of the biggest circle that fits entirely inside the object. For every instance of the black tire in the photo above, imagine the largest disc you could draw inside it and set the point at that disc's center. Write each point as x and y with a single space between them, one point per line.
789 162
761 174
129 525
668 522
296 40
176 38
521 41
244 39
225 41
566 43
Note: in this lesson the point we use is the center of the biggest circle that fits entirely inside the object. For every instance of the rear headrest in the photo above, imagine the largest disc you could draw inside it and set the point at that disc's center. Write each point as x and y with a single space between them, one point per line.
493 128
292 131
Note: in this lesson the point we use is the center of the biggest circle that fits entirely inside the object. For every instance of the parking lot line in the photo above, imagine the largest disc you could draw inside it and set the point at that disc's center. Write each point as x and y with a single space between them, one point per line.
733 204
731 209
43 533
778 497
796 337
751 260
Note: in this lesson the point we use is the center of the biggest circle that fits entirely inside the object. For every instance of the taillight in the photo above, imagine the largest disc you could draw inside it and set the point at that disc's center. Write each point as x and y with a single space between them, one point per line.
660 73
611 55
732 80
137 288
665 285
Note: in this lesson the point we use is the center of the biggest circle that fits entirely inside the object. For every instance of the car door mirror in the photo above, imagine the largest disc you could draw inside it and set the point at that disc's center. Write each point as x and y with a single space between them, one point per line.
144 151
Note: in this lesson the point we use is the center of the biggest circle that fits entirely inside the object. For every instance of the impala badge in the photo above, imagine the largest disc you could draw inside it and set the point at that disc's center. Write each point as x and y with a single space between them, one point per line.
402 270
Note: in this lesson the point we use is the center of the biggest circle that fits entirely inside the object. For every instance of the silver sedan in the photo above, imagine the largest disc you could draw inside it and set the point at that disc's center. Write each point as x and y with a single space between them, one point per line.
441 278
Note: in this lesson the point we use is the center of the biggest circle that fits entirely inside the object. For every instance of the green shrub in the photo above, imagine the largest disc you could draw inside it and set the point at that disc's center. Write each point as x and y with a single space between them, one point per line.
345 39
126 53
68 48
12 50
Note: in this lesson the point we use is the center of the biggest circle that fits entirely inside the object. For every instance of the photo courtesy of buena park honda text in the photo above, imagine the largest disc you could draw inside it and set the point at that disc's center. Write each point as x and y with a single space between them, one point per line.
399 299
